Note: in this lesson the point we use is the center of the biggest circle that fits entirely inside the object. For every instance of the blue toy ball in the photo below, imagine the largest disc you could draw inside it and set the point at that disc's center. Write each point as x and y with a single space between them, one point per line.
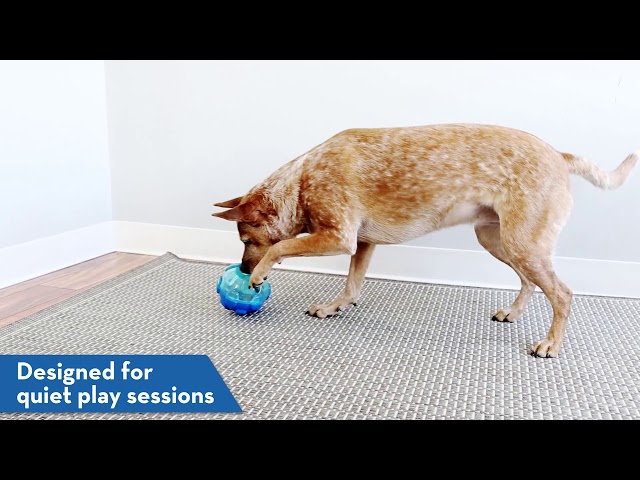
235 294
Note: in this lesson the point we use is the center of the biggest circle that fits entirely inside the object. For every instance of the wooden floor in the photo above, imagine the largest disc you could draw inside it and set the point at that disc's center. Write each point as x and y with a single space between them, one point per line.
26 298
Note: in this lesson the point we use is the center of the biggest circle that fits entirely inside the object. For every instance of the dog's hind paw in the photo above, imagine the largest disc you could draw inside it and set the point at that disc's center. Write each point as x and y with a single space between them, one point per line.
546 349
503 315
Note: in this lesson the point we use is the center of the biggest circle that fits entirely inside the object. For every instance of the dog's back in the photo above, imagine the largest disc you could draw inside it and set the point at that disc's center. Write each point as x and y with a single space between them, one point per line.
422 178
408 181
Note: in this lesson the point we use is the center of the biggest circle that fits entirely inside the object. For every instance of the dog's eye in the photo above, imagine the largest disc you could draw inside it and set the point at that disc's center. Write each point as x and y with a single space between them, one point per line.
246 242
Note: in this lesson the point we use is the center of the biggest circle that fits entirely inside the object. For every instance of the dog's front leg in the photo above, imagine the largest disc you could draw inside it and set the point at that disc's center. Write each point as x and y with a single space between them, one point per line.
316 244
357 269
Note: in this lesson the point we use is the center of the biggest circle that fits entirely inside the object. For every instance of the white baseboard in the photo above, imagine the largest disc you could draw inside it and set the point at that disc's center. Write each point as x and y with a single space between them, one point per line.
401 262
31 259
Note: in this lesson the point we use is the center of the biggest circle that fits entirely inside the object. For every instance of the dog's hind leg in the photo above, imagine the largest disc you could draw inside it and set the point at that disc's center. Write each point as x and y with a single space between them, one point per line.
357 269
488 234
540 271
528 236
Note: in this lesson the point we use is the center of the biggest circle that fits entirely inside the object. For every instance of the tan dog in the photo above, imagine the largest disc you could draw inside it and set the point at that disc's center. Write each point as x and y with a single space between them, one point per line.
364 187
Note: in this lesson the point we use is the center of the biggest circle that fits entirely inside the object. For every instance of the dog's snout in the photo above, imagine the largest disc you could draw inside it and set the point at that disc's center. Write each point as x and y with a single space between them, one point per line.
244 268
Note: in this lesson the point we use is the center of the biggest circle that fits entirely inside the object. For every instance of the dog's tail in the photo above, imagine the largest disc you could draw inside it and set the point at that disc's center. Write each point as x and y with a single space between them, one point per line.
598 177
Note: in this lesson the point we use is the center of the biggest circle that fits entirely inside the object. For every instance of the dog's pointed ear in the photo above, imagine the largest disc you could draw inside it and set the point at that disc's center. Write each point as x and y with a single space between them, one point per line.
229 203
247 212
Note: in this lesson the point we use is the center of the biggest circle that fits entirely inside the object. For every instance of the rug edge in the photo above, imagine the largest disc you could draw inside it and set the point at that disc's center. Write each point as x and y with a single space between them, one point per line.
89 293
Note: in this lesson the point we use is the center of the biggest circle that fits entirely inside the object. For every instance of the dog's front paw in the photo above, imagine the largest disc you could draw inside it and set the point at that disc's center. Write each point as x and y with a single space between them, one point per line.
259 274
326 310
255 281
546 349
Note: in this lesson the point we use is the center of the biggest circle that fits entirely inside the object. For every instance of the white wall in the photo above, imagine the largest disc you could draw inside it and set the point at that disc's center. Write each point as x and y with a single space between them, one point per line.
54 165
185 134
182 135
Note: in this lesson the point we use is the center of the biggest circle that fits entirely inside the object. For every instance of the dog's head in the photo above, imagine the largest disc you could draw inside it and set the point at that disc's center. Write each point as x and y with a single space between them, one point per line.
256 218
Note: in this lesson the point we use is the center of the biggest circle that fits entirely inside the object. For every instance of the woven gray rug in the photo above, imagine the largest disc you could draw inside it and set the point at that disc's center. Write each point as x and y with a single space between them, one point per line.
406 351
